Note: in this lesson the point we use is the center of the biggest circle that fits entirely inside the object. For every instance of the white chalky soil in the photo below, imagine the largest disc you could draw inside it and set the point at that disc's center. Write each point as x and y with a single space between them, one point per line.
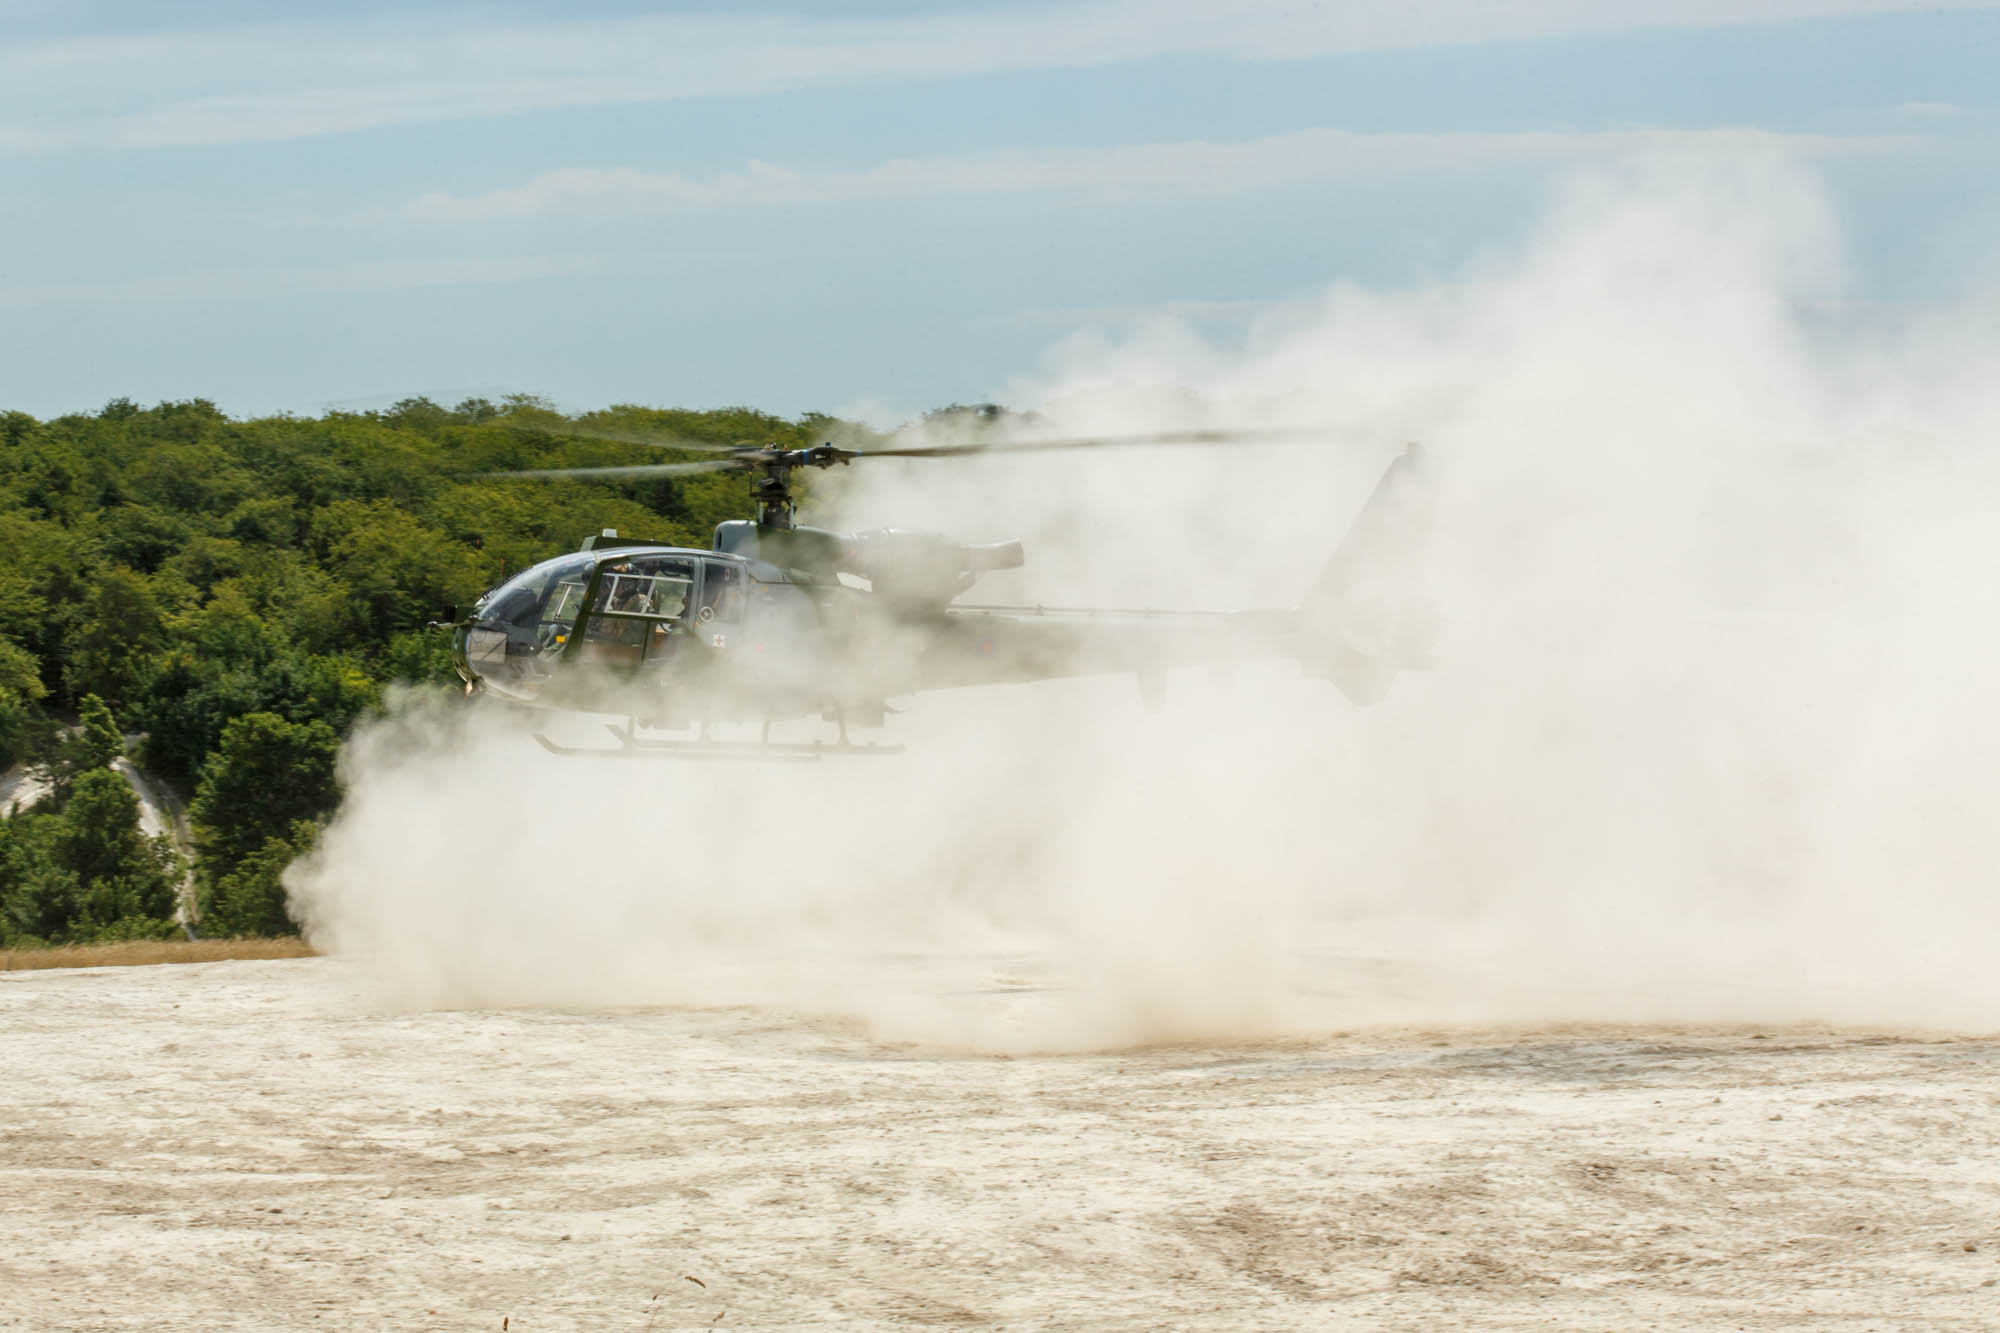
263 1145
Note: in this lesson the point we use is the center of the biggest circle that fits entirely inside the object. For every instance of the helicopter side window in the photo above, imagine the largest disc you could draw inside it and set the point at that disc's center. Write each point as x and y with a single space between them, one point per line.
721 593
638 596
670 583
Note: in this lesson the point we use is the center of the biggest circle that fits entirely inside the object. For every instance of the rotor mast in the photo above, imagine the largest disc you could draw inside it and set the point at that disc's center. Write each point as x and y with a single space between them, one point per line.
773 490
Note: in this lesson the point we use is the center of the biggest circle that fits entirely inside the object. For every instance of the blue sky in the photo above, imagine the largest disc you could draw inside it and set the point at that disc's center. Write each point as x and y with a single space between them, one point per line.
879 206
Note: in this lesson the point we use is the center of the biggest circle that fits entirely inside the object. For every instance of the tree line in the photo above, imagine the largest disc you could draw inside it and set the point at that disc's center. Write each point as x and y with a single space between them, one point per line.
219 601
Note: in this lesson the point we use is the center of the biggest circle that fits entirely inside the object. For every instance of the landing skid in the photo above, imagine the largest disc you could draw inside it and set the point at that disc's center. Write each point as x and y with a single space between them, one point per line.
631 745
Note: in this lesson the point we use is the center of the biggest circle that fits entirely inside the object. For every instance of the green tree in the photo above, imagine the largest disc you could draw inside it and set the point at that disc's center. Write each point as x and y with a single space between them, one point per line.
250 900
269 520
15 427
117 638
419 414
397 573
38 906
141 536
190 703
87 873
122 873
420 658
31 908
97 741
68 755
20 688
266 775
21 609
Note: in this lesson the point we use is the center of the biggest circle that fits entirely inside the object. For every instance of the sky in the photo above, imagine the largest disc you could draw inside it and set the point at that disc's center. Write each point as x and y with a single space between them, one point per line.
874 207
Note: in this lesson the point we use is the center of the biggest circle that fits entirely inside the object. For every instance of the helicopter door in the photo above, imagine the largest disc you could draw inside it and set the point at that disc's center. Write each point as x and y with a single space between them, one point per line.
555 617
636 602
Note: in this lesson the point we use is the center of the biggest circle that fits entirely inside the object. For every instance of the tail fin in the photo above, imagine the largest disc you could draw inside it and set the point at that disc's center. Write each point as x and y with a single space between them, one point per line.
1369 614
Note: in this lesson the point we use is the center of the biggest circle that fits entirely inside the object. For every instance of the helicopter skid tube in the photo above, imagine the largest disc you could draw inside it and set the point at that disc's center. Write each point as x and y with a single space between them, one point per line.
639 747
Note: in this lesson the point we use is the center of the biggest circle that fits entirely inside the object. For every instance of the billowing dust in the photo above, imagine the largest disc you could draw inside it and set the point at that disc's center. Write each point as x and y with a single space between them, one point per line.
1708 739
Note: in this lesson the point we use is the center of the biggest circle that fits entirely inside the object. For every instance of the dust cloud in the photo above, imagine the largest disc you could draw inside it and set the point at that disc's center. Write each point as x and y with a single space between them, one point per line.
1709 738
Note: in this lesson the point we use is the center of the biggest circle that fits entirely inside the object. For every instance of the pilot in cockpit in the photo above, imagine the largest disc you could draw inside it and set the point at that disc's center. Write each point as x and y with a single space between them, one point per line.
635 601
608 587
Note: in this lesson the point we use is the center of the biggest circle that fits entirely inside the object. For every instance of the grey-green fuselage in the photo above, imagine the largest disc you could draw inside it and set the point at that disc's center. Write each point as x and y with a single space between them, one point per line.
683 634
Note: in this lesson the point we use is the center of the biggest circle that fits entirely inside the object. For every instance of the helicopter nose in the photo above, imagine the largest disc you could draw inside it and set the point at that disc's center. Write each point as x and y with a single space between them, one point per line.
461 661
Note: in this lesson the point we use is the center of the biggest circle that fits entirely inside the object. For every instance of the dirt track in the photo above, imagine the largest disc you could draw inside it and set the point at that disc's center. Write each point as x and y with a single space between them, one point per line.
257 1145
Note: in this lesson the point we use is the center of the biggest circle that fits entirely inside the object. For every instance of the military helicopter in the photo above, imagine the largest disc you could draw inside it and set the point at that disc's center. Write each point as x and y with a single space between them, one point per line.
763 626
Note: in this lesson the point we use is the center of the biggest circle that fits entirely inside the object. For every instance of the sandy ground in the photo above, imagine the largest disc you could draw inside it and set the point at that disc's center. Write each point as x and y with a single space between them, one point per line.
255 1145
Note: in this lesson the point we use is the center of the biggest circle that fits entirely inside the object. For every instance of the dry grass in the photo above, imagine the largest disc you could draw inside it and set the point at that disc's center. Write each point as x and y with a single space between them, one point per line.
144 953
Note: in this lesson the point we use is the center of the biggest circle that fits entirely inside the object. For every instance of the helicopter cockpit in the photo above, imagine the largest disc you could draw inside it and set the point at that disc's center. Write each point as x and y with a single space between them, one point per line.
613 607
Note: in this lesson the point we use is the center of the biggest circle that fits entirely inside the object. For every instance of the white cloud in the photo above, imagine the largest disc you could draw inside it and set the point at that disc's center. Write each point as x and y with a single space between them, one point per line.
286 81
361 276
1178 169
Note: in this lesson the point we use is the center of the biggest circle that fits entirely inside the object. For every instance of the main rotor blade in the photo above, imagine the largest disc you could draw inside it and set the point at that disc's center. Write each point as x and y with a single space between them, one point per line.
747 459
650 441
1249 435
631 471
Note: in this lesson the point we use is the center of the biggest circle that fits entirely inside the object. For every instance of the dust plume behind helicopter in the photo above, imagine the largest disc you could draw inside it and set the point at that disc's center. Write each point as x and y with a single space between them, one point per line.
1710 738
